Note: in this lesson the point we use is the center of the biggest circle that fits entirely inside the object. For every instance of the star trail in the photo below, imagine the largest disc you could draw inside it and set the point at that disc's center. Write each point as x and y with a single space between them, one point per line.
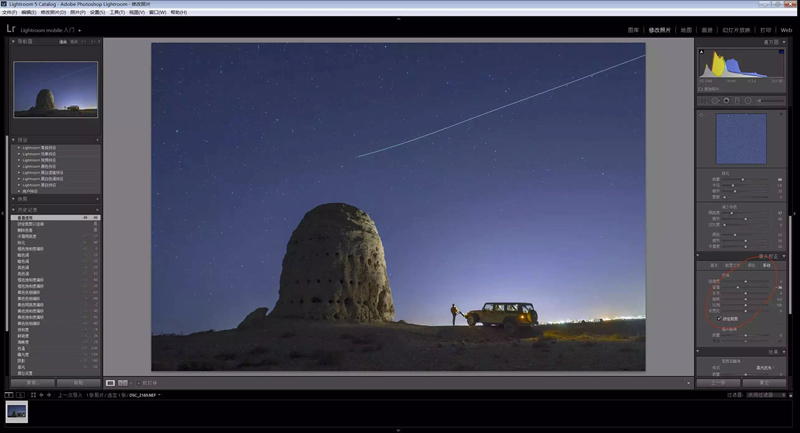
502 107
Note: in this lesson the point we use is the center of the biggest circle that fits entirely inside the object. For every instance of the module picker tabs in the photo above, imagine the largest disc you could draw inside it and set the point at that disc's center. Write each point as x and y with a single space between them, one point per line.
741 213
55 149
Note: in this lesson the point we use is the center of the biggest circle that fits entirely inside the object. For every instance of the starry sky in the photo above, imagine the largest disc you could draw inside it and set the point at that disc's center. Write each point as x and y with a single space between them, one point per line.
541 202
741 138
72 83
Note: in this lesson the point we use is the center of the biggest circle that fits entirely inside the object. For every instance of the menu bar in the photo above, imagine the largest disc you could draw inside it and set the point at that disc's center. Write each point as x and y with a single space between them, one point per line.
400 8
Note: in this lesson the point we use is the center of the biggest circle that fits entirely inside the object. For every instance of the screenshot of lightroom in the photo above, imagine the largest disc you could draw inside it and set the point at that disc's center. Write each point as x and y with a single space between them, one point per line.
398 215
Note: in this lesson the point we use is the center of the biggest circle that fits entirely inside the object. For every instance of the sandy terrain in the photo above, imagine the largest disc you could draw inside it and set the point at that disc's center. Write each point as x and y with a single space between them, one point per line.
295 345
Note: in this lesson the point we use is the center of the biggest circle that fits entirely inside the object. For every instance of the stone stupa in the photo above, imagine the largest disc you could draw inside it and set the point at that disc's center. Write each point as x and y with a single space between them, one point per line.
45 100
334 269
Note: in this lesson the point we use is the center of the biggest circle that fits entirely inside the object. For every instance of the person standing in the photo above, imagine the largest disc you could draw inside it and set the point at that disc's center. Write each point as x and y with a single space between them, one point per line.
454 310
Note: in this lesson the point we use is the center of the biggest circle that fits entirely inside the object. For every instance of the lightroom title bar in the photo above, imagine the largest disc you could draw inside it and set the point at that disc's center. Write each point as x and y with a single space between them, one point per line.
399 8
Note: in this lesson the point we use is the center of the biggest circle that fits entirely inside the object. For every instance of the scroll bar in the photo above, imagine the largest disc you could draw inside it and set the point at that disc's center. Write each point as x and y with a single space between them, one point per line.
790 264
8 235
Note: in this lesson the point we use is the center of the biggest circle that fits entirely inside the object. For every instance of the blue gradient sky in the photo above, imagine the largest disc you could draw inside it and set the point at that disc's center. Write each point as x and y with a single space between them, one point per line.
541 202
72 83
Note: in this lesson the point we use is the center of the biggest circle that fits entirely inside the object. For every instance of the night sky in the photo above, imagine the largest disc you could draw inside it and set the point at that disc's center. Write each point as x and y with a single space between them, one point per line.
72 83
742 138
541 202
18 408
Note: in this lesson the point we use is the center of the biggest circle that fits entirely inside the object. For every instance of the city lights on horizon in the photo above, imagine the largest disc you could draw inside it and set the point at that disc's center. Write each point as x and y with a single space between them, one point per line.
603 319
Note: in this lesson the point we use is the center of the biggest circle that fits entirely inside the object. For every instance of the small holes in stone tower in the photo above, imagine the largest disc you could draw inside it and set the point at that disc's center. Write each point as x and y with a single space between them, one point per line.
351 308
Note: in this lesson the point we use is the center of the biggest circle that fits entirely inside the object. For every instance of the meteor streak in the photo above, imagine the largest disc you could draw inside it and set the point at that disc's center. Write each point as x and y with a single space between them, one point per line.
500 108
72 73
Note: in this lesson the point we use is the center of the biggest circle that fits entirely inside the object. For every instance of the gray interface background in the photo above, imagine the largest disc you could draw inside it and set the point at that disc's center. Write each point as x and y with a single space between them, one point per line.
669 208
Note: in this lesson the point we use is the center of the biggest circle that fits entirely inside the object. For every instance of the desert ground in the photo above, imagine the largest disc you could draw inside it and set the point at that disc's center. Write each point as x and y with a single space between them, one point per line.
298 345
57 113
